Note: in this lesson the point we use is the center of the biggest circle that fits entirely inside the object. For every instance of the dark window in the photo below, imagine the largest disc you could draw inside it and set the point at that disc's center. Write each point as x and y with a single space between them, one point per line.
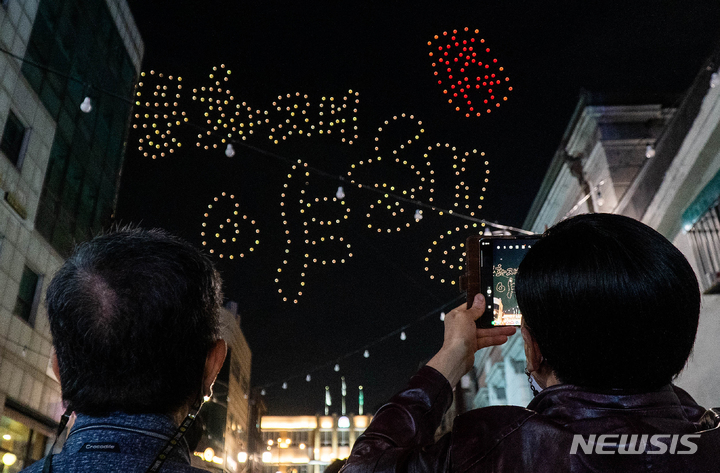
299 437
25 302
325 438
79 38
343 438
12 139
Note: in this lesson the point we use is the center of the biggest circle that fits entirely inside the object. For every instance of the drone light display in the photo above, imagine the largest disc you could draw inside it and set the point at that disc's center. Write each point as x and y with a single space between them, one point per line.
468 74
397 158
403 166
291 115
155 124
226 233
313 219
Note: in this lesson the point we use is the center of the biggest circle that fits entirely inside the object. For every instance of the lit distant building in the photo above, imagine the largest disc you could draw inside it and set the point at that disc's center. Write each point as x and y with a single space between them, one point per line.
308 444
224 444
59 171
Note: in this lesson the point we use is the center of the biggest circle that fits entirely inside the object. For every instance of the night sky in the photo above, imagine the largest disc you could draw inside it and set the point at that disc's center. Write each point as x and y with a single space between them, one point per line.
549 50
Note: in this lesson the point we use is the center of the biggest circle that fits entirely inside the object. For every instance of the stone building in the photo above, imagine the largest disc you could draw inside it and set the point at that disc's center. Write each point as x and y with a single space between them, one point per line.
59 171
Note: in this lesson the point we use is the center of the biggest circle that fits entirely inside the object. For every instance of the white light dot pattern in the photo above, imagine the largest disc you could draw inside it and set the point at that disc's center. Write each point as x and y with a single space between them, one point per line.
226 232
445 257
398 159
313 220
292 115
157 113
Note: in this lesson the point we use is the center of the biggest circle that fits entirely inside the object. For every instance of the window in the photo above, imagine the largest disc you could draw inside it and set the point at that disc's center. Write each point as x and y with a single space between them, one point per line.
13 140
25 443
299 437
325 438
269 436
343 438
25 303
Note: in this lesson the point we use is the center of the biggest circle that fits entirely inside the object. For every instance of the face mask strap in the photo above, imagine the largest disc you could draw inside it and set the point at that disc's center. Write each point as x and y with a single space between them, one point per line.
534 386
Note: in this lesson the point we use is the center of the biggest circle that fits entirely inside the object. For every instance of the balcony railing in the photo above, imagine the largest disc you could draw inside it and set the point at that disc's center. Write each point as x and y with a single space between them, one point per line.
705 241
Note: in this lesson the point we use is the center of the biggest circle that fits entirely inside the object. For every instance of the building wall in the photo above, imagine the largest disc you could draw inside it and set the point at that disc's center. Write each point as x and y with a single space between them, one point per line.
674 191
29 393
688 190
227 413
324 440
86 45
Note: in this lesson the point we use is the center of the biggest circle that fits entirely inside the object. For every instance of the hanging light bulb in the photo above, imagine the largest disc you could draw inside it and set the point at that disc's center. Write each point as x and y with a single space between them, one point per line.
600 200
714 80
403 336
229 151
340 194
285 385
487 232
366 354
418 215
262 392
337 367
307 378
442 316
649 151
86 105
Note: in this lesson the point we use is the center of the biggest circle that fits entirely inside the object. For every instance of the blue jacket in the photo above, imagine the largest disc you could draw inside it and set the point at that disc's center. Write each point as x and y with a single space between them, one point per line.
119 443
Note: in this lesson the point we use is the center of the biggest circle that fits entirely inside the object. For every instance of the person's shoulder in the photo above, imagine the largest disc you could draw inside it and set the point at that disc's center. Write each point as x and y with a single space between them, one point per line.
476 433
34 468
125 466
491 421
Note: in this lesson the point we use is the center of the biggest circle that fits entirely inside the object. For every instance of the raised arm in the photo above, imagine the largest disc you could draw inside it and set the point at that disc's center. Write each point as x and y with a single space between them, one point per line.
401 436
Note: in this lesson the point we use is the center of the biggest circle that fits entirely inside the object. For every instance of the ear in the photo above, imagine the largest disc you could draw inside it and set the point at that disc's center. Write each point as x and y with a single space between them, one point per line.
213 364
532 350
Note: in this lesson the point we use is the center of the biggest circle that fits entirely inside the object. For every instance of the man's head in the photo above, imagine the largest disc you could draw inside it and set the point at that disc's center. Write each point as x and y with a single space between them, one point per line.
609 302
133 315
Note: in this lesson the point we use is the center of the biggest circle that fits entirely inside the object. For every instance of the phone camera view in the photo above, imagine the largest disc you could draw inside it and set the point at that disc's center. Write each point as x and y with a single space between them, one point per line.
506 259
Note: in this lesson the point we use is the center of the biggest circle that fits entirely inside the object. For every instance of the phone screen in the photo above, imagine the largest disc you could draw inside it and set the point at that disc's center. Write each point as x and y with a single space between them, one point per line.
506 255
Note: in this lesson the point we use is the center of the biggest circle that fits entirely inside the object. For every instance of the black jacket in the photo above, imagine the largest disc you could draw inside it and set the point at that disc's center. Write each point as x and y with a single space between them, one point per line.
667 428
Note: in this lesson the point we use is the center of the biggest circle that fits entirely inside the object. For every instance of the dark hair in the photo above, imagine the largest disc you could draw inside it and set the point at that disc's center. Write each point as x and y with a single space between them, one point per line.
610 302
133 315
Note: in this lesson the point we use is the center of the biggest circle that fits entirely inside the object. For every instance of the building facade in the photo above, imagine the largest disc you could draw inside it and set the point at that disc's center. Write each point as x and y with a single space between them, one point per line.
658 164
226 416
59 170
308 444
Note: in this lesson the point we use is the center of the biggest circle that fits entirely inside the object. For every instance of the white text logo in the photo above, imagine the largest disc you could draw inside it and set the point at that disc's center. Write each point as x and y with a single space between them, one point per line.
625 444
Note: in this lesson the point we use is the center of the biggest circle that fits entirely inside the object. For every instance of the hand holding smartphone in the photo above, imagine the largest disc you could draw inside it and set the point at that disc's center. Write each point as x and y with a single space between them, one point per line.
491 266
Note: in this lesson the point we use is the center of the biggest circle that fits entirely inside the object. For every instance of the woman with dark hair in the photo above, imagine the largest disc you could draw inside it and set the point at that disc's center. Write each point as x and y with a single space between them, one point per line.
610 311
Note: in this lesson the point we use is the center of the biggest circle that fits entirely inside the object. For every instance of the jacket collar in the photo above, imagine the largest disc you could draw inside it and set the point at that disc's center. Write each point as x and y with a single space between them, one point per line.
571 402
155 429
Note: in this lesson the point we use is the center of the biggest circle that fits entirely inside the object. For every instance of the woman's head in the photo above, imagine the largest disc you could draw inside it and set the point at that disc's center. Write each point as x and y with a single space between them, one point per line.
610 302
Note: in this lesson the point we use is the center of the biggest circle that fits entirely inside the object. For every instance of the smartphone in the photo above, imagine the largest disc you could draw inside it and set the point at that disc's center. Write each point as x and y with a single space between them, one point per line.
492 263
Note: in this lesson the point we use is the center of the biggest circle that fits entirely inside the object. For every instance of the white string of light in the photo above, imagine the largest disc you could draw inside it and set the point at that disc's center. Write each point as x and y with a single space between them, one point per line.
401 332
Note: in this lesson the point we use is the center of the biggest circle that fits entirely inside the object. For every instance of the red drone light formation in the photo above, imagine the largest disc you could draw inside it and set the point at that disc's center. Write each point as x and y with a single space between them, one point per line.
468 74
